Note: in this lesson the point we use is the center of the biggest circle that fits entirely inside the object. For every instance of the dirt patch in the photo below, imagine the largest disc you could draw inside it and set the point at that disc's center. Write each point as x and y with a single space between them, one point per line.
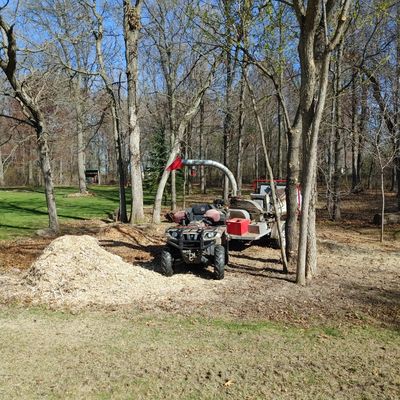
358 280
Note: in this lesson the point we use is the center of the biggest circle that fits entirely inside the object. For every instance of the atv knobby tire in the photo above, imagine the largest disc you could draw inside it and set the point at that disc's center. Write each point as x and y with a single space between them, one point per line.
219 262
167 261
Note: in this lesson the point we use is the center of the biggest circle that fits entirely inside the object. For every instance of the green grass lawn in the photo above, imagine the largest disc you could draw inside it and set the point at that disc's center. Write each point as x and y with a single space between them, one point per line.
23 210
102 355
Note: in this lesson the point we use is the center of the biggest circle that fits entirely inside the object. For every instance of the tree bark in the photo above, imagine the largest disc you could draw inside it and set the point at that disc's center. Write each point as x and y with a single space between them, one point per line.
242 116
1 170
201 148
228 120
293 182
339 147
131 33
80 136
355 134
310 173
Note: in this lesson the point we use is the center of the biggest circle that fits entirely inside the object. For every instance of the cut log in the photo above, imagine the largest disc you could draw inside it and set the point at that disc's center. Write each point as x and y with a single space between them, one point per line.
389 218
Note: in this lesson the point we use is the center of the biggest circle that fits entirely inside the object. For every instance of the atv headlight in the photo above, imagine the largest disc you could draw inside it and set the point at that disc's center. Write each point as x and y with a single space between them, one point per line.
211 235
172 233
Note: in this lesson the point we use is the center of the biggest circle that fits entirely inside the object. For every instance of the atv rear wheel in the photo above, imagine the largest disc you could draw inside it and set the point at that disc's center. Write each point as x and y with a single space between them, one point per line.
167 260
219 262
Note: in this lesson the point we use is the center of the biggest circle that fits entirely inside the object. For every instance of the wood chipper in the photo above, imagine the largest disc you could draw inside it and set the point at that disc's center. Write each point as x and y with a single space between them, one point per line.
203 232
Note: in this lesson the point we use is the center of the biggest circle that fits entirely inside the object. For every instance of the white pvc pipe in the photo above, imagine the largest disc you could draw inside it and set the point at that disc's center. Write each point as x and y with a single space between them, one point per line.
211 163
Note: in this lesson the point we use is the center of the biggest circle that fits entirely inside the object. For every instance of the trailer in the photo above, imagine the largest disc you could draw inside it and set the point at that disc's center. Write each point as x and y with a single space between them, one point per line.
203 231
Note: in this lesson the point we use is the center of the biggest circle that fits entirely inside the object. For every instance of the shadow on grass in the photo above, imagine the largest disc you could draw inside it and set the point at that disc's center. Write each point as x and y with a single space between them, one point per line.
13 207
261 259
16 227
267 272
382 304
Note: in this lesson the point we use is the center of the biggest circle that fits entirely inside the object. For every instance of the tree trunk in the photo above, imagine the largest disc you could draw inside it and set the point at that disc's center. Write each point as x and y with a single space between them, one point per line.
339 147
172 117
201 148
397 107
44 156
311 261
120 165
355 179
228 120
293 174
1 170
81 159
331 143
80 136
310 173
131 33
382 204
362 130
239 165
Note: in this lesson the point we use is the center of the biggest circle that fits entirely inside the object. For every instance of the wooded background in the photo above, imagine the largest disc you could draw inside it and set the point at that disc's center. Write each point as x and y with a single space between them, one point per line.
81 77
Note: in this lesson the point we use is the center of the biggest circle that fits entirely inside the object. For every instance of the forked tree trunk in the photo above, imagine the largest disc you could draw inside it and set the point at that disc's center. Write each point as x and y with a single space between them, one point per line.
310 174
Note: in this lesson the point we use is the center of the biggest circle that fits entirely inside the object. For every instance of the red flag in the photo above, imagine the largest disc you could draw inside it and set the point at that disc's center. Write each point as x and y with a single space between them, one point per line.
176 164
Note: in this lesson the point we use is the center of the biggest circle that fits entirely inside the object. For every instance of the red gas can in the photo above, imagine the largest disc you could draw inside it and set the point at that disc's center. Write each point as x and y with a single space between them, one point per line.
237 226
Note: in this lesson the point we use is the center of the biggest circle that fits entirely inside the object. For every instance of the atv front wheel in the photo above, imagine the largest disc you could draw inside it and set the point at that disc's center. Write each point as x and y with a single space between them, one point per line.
167 260
219 262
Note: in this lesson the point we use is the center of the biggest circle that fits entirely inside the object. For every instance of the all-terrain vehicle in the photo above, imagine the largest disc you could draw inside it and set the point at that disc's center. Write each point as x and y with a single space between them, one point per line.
204 231
200 238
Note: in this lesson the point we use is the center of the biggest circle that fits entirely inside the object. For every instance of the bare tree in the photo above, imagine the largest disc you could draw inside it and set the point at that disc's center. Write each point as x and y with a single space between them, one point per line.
131 34
315 35
35 118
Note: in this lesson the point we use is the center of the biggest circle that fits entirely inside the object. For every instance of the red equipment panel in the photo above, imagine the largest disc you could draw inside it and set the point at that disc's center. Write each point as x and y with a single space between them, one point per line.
237 226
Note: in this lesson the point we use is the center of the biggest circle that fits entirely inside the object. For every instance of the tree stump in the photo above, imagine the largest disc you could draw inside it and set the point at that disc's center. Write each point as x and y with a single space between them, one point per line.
388 219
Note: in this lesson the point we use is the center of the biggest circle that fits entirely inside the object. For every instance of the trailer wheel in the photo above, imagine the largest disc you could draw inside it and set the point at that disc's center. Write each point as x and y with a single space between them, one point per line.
219 262
167 261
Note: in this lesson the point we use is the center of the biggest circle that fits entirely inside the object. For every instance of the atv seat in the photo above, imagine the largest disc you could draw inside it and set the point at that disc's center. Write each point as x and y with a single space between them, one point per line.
197 211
